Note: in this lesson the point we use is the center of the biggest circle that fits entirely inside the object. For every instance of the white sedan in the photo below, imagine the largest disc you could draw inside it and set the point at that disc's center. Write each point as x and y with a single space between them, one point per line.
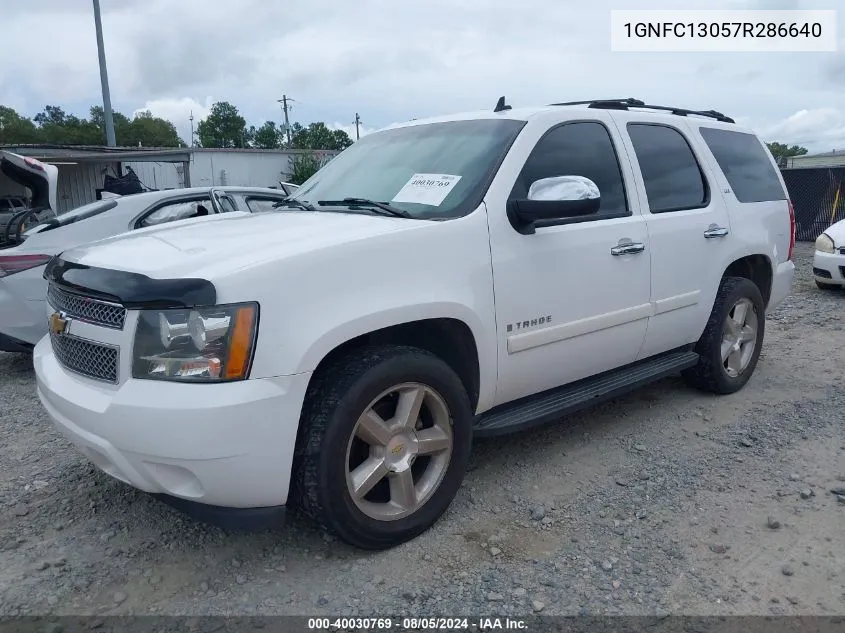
23 291
829 259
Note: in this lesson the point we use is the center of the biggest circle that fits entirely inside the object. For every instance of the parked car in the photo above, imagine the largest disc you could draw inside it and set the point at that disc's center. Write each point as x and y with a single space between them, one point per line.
22 287
288 187
829 258
41 179
439 280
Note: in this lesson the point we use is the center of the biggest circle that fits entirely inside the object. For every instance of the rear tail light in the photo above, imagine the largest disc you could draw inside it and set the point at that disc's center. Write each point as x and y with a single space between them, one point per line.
11 264
33 163
791 230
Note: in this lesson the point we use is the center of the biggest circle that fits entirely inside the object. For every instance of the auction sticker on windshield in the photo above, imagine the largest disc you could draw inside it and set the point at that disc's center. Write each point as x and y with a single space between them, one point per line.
430 189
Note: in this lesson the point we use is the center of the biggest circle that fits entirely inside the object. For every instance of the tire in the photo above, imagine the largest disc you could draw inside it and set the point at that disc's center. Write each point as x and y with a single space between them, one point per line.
330 445
712 374
824 286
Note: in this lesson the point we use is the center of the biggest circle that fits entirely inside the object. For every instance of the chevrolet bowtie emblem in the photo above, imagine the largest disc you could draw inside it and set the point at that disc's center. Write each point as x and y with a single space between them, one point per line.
58 323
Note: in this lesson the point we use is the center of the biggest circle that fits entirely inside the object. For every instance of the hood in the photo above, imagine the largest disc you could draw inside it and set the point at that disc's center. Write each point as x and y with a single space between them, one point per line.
836 232
40 178
217 246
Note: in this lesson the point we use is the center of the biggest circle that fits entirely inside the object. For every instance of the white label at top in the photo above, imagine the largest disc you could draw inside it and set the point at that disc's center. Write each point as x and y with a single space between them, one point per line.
742 31
430 189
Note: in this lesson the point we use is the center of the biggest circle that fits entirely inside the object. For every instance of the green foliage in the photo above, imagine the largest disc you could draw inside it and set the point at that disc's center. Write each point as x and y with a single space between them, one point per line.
303 166
268 136
223 127
16 129
318 136
54 126
782 152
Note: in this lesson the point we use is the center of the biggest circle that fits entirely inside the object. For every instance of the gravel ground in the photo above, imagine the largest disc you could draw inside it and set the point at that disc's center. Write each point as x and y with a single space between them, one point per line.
666 501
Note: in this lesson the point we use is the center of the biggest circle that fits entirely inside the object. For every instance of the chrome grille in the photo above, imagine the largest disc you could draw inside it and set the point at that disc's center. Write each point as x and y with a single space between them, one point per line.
86 309
79 355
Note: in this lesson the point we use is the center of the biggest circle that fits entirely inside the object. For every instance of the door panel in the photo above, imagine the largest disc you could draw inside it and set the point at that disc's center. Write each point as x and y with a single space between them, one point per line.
688 227
566 306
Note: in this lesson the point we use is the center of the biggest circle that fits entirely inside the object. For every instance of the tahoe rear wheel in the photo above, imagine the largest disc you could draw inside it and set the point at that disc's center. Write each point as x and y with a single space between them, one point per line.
383 446
730 346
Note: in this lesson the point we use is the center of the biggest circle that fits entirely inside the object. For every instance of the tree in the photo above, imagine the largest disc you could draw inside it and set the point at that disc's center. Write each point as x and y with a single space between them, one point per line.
318 136
268 136
781 152
56 126
223 127
303 166
151 131
15 129
121 125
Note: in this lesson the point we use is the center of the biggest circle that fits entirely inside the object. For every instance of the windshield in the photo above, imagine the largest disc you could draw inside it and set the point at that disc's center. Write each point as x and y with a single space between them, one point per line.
432 171
75 215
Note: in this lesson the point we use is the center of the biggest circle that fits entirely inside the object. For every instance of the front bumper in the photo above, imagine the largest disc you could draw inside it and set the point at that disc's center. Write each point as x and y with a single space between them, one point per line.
829 268
228 445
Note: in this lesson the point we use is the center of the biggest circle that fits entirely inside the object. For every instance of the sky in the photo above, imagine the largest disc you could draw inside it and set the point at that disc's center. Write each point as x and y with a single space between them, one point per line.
393 61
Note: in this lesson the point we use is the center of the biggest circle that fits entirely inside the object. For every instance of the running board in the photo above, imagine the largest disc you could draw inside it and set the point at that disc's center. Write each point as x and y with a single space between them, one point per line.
551 405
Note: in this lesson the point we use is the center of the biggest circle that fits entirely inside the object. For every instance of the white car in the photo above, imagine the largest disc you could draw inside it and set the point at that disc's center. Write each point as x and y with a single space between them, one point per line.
829 258
42 181
443 279
22 287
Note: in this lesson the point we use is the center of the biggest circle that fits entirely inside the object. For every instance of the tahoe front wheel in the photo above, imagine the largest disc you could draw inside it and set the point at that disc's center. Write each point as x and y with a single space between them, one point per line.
383 446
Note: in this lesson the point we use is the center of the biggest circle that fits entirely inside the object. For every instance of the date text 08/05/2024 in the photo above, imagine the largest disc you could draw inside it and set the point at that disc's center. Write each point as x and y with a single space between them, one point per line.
487 623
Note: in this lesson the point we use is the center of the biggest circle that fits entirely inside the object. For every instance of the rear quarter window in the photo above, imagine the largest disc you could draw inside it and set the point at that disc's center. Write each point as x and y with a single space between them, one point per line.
746 164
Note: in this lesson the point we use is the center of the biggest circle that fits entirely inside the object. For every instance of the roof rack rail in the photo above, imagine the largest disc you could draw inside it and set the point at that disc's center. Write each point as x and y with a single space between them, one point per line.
624 104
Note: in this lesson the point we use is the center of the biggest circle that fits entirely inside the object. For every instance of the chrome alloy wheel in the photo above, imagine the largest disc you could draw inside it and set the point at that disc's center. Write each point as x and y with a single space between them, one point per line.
739 337
399 451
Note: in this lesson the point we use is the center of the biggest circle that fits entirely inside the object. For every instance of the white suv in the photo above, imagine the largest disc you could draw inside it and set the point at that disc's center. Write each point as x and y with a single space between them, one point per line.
441 279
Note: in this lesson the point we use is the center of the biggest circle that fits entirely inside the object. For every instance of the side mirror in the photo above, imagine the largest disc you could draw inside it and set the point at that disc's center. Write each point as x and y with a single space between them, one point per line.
551 199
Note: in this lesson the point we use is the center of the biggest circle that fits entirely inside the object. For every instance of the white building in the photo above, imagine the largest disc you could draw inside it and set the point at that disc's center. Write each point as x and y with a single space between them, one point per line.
81 168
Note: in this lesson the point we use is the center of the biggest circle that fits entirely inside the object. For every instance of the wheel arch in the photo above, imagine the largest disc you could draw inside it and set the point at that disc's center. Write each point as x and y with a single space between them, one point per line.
758 269
453 338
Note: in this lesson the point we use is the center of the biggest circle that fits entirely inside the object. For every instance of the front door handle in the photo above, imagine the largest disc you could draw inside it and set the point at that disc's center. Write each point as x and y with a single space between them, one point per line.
714 230
626 247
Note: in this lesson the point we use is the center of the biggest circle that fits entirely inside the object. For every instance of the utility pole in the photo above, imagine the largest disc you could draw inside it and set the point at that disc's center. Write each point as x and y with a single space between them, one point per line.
191 119
357 123
285 106
104 77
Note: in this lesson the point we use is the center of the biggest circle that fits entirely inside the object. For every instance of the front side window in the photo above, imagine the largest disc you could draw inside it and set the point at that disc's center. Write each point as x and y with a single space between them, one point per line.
431 171
583 148
673 179
180 210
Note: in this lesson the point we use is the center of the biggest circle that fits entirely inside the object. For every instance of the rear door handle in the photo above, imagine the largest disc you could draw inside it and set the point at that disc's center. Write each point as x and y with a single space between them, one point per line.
627 247
714 230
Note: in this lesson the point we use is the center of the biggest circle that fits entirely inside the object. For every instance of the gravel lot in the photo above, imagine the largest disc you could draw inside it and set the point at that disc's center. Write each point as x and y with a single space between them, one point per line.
667 501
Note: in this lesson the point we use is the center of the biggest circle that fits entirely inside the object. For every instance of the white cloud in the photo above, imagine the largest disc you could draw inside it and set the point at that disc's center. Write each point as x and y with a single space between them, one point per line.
412 59
819 129
178 112
350 129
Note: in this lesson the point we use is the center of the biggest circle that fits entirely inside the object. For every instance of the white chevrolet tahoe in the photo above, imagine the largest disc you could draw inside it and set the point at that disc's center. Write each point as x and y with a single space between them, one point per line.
439 280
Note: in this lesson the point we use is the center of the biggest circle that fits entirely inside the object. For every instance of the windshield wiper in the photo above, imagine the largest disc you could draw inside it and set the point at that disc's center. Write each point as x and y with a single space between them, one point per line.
293 202
364 203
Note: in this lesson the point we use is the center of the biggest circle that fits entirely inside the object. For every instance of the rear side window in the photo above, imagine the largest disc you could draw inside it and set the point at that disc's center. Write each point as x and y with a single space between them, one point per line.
746 164
673 179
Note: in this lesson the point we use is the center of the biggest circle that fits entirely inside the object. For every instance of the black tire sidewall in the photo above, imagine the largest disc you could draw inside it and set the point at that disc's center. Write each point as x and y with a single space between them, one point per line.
734 289
344 516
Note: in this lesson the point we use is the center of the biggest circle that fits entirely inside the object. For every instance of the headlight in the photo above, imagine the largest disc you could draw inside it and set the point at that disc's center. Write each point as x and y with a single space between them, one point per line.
825 244
197 345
